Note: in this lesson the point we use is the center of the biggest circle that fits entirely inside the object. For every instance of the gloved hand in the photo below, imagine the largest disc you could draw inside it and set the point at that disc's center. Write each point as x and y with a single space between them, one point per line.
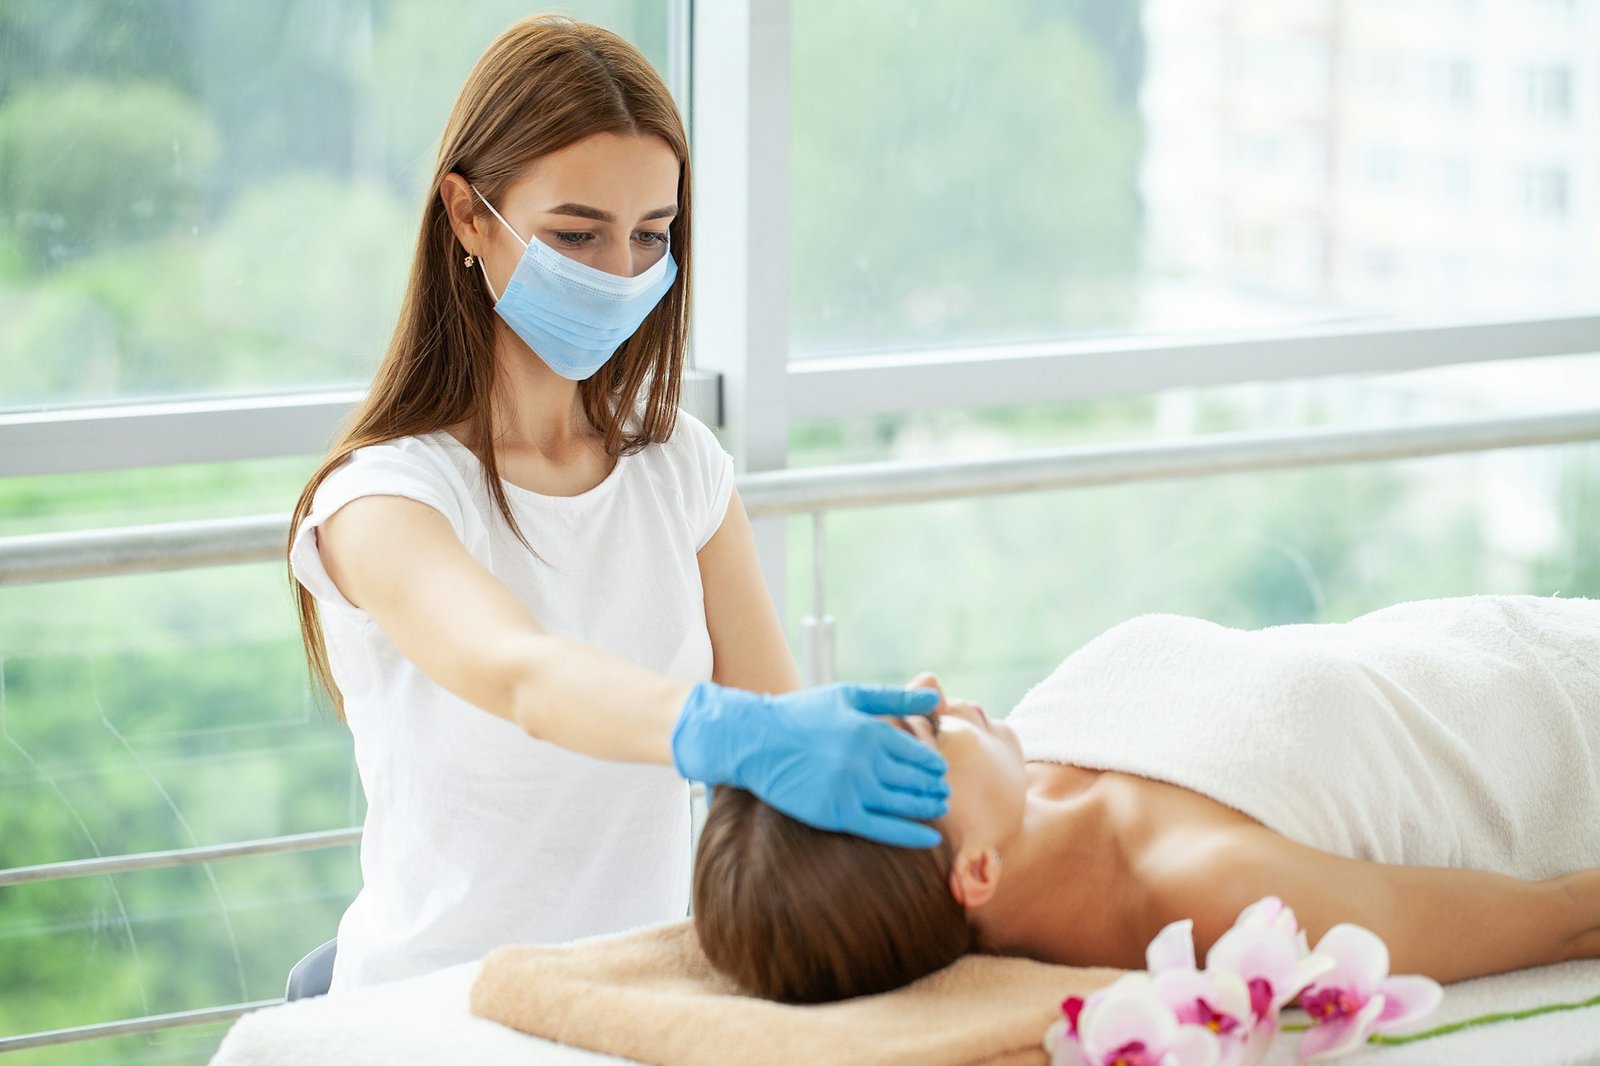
819 756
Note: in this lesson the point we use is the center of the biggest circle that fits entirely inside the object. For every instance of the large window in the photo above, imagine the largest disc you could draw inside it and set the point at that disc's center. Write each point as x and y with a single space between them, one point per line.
1023 171
201 198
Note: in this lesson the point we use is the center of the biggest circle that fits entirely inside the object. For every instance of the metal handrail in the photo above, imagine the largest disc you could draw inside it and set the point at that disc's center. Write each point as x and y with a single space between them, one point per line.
876 484
150 1023
43 557
96 553
151 860
155 860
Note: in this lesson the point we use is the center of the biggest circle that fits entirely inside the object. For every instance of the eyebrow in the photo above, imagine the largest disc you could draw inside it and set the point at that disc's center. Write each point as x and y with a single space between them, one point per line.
584 211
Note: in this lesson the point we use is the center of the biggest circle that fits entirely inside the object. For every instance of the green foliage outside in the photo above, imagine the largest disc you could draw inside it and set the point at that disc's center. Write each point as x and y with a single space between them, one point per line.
992 592
960 173
200 197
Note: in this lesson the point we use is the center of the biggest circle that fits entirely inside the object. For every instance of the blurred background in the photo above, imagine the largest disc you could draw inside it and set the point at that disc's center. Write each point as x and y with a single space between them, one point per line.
202 202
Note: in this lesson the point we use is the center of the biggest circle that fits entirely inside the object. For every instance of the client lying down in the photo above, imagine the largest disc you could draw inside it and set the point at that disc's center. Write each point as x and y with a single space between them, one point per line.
1430 771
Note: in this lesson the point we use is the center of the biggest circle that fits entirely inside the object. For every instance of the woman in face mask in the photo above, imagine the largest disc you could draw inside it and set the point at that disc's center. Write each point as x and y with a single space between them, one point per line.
526 579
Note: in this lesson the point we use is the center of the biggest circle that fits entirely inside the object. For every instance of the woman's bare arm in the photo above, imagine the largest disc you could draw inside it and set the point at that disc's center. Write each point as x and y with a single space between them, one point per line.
748 649
1444 923
401 562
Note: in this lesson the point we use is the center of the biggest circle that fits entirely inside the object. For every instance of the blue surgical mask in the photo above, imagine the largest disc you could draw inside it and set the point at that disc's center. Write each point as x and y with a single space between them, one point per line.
573 316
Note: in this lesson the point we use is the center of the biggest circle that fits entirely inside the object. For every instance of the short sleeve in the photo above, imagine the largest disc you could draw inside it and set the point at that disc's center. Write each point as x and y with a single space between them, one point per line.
714 468
377 470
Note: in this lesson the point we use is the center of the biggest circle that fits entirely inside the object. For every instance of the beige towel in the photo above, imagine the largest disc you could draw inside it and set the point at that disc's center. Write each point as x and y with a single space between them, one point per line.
652 996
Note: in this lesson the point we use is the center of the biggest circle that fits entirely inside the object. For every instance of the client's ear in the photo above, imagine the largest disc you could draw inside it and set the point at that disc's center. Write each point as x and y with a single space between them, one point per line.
974 876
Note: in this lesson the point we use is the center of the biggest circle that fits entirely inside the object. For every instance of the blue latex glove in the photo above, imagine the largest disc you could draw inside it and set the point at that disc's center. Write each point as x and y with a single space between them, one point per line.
820 756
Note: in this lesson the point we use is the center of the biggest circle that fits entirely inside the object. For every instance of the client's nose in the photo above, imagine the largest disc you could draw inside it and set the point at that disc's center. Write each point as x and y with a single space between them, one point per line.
928 680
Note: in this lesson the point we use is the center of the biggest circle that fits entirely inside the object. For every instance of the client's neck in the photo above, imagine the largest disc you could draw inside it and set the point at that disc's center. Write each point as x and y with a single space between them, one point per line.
1059 872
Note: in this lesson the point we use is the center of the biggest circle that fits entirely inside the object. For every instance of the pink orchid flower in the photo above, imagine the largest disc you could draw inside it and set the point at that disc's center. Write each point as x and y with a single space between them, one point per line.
1127 1025
1267 950
1357 997
1219 1001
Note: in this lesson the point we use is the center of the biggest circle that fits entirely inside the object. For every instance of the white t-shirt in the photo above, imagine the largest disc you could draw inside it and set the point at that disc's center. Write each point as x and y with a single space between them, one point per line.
477 834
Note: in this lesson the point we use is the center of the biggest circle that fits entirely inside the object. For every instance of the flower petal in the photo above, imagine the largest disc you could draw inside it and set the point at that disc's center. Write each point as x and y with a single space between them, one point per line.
1128 1012
1307 972
1340 1037
1192 1045
1254 1047
1261 999
1071 1008
1062 1046
1183 990
1263 912
1331 1040
1361 959
1054 1034
1064 1051
1232 996
1407 1000
1172 949
1255 952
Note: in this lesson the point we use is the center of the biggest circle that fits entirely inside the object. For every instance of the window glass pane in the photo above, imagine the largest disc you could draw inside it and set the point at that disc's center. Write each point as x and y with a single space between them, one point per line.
992 592
149 495
1520 387
1052 170
154 712
200 197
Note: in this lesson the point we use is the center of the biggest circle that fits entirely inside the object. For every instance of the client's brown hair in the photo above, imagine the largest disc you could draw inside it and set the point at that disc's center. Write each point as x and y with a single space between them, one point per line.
800 915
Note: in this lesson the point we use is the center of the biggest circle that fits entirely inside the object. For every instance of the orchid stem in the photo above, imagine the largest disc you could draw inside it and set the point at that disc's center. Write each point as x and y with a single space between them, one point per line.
1468 1023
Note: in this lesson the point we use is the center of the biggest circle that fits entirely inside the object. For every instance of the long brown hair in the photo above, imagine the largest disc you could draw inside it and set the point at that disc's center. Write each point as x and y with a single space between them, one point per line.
800 915
545 83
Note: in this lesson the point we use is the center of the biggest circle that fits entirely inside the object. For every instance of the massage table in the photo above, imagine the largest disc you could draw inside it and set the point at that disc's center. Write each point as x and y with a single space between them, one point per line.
424 1020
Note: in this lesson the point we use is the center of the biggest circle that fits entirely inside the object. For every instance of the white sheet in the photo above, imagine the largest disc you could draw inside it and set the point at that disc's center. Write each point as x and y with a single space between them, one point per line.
424 1020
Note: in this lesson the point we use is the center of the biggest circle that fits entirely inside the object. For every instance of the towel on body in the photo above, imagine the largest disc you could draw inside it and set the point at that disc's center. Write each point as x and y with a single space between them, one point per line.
1462 732
651 995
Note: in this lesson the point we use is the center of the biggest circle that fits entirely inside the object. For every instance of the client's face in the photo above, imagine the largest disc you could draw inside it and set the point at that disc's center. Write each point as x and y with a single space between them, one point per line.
987 778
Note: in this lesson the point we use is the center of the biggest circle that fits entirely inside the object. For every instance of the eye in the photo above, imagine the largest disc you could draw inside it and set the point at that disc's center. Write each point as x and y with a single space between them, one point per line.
651 237
904 725
574 238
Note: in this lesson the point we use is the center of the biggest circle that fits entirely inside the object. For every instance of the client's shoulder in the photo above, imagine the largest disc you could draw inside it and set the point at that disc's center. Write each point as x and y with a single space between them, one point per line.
1210 874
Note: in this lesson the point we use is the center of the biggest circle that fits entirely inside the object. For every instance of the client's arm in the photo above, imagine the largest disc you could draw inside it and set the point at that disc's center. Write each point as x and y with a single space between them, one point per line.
1447 924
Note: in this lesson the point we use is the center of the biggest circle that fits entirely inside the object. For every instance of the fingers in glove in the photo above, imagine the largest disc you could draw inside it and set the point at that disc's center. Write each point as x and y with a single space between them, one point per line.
886 699
913 778
905 748
912 805
897 831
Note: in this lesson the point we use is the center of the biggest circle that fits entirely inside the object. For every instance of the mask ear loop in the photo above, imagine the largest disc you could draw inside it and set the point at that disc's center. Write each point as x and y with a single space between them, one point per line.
486 282
504 223
497 214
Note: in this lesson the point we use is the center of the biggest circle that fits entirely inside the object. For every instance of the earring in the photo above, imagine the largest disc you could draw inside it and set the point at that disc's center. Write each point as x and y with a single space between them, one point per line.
467 262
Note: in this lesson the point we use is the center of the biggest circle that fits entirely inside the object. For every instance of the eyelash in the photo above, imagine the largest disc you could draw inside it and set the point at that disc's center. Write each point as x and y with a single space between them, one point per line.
576 238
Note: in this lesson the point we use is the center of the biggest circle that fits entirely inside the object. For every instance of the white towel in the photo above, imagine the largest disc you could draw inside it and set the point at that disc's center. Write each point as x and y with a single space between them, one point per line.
1460 732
